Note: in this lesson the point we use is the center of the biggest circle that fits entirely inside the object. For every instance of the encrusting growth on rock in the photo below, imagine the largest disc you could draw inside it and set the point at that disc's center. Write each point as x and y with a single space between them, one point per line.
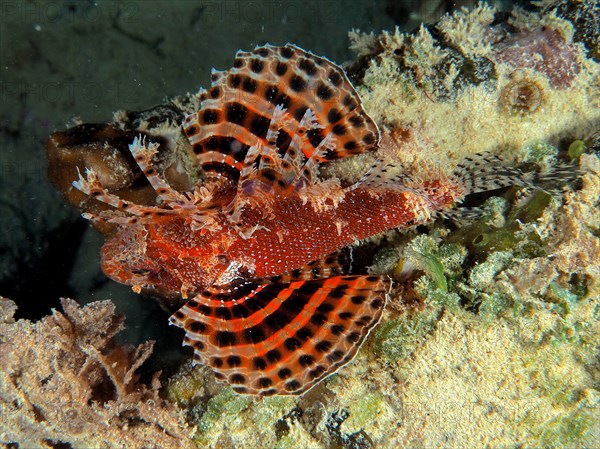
500 298
63 380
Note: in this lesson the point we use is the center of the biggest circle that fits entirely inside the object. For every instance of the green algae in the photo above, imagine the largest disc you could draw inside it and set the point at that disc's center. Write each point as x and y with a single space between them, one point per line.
439 262
387 260
436 270
480 286
437 298
576 149
562 297
541 153
532 209
221 410
482 275
562 355
262 413
492 305
229 410
485 236
575 429
398 337
364 412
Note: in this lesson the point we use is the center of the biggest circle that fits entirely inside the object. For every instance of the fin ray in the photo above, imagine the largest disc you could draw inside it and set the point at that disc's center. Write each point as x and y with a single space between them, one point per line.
239 109
283 337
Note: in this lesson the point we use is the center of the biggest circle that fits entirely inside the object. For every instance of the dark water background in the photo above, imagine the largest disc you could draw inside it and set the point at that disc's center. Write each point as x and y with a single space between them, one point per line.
66 59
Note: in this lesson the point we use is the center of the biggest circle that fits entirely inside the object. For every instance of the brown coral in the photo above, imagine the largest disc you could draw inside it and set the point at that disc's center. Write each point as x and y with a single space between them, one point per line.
104 148
544 50
64 380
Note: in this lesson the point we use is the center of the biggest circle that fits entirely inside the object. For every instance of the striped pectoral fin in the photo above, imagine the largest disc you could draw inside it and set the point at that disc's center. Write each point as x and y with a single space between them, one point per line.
276 96
332 265
282 337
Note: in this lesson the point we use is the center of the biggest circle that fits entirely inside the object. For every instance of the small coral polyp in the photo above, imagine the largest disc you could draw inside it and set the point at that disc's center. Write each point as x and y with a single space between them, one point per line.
261 247
521 96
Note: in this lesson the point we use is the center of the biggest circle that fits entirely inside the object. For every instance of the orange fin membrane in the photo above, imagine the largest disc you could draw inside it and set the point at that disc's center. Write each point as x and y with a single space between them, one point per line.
276 337
237 112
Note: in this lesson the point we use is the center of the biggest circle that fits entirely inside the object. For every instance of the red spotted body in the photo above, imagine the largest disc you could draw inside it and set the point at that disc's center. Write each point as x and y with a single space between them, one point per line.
258 248
293 235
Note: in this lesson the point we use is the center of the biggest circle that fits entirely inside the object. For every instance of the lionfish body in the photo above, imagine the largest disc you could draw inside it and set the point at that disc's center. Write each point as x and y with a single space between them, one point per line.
258 248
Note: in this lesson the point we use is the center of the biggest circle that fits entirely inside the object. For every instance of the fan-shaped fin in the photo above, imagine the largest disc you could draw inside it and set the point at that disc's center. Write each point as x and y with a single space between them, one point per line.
282 337
243 103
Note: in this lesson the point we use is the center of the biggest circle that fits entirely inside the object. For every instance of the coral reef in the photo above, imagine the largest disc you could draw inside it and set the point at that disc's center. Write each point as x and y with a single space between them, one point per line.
505 356
492 335
479 81
492 339
64 381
